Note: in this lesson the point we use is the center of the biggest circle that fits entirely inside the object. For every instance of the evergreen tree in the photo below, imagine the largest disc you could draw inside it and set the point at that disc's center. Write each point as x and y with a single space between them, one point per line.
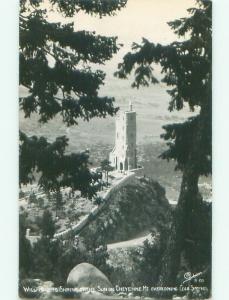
187 69
58 201
47 224
55 71
32 198
106 167
25 249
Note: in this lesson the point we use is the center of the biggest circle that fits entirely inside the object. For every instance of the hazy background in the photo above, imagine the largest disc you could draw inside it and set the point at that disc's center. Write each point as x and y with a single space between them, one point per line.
140 18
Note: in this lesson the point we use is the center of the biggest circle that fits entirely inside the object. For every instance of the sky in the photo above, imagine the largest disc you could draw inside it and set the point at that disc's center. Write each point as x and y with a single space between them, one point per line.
140 18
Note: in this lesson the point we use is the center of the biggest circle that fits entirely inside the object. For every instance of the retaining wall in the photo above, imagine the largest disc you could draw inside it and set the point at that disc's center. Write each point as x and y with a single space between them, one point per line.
76 229
130 177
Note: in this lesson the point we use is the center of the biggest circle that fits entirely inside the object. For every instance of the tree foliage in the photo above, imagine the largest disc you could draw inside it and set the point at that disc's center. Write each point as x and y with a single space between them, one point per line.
47 224
187 68
25 256
58 201
106 168
52 259
55 69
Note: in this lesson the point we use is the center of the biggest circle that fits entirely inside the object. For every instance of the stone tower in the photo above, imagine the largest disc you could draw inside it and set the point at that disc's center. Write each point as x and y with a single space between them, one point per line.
123 156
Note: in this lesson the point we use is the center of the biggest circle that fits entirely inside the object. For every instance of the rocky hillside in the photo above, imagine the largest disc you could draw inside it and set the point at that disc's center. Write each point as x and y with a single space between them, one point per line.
132 212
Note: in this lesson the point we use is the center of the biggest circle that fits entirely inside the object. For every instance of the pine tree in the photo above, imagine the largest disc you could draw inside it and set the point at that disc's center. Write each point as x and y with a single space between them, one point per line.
58 201
187 70
55 71
106 167
25 249
47 225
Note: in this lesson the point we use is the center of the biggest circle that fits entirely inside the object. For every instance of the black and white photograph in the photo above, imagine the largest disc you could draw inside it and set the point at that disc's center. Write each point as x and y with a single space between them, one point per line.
115 149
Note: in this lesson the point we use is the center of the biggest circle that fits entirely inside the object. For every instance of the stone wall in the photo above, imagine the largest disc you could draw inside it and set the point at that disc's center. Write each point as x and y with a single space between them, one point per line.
76 229
130 177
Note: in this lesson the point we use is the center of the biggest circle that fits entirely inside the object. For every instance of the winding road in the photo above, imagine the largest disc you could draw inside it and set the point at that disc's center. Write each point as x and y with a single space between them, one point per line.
130 243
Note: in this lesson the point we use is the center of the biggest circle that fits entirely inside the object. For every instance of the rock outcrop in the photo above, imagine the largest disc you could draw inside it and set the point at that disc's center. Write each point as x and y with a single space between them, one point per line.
89 277
132 212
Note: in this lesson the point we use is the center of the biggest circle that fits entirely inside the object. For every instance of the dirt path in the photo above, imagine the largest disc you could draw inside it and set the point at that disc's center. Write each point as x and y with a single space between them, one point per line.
130 243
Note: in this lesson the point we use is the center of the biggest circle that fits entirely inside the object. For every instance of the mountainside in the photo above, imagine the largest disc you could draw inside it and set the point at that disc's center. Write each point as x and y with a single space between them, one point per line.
133 211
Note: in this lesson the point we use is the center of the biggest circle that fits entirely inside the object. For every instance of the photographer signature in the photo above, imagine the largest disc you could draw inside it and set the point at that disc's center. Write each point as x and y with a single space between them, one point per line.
189 276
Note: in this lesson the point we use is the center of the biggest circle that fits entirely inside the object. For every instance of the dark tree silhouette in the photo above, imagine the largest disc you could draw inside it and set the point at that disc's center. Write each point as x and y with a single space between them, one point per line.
47 225
25 250
55 71
106 167
58 201
187 69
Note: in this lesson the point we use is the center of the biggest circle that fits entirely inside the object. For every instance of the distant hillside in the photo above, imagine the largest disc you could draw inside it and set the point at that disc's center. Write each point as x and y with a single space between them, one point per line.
156 168
151 105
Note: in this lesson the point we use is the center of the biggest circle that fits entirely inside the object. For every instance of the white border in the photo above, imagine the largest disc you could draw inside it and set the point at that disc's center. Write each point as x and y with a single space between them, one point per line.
220 149
9 149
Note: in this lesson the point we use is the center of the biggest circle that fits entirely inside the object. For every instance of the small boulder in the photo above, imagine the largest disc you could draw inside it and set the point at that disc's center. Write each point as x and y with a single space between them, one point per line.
89 278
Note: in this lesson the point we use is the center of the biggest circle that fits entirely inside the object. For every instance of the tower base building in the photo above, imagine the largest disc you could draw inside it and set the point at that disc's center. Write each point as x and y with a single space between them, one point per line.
124 156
